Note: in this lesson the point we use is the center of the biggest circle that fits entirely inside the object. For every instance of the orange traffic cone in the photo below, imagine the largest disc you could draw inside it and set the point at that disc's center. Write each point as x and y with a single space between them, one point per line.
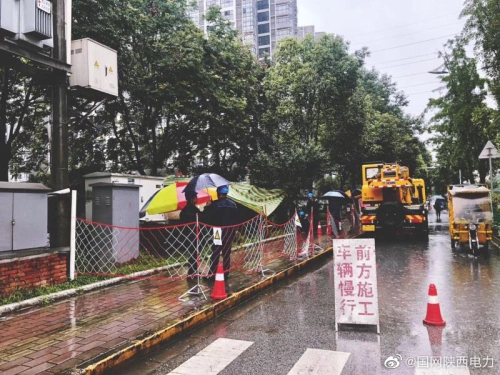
433 317
219 291
319 232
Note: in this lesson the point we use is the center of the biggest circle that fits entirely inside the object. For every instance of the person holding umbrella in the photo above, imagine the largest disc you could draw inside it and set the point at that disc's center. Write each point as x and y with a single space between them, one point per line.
223 212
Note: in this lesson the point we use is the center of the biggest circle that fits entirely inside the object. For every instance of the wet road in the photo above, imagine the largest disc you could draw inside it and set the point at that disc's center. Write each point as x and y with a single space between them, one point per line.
280 325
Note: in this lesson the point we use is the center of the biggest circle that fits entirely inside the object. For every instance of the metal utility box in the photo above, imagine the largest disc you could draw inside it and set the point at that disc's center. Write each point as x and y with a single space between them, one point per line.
95 68
117 205
37 18
35 23
23 216
9 17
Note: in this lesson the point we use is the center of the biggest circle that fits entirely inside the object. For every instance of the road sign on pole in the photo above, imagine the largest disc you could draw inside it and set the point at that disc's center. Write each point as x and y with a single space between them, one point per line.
490 152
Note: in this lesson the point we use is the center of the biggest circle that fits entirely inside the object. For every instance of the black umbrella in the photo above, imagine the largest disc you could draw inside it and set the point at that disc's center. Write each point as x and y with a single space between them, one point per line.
336 194
205 181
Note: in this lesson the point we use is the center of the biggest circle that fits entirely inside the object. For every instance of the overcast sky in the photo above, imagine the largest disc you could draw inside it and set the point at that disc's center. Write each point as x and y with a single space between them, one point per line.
385 27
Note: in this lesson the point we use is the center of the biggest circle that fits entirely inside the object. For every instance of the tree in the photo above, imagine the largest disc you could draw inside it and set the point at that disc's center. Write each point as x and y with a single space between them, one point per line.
182 98
159 57
483 27
307 89
463 120
24 105
221 128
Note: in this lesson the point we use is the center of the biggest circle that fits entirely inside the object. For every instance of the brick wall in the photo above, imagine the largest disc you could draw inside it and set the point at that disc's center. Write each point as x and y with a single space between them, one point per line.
32 272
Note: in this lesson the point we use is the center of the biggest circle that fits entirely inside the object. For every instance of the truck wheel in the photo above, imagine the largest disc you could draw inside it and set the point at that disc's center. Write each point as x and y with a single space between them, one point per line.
453 244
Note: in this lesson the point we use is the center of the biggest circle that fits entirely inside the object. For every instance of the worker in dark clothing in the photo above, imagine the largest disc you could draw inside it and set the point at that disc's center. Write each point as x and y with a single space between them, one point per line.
304 221
222 213
313 210
438 206
188 216
335 207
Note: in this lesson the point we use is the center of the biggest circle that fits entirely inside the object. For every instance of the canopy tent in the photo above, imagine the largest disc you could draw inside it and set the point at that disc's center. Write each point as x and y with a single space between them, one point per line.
257 199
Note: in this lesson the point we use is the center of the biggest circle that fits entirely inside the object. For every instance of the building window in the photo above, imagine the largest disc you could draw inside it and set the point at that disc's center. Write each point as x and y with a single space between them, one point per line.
226 3
283 32
264 28
228 15
263 16
212 2
264 51
282 21
262 4
282 9
264 40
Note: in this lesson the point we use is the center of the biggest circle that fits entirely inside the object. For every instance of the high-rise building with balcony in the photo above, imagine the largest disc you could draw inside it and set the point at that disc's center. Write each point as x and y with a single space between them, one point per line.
261 23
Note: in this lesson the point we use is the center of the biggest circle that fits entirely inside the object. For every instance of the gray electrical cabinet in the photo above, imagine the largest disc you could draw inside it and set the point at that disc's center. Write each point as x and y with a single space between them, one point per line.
23 216
27 21
9 17
116 205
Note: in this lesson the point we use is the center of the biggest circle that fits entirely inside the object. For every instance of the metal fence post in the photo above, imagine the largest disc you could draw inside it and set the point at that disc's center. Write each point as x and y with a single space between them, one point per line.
72 245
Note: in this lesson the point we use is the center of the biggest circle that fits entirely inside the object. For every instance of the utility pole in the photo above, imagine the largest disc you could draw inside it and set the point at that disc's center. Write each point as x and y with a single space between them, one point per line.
60 228
4 151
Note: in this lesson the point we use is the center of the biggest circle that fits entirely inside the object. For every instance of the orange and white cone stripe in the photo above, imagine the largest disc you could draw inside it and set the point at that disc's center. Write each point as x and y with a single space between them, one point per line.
433 316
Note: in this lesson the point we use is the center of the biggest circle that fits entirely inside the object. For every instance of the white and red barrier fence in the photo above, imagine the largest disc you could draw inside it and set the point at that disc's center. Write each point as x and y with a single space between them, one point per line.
187 250
180 251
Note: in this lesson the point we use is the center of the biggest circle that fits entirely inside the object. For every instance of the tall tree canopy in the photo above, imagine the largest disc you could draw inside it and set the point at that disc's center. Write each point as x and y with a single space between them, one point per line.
462 121
483 28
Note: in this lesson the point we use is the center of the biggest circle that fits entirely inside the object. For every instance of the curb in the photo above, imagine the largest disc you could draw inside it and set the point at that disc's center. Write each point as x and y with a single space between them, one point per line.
196 319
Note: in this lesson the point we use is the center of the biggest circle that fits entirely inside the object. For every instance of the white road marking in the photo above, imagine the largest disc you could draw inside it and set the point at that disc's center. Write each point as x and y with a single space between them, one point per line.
320 362
442 371
214 358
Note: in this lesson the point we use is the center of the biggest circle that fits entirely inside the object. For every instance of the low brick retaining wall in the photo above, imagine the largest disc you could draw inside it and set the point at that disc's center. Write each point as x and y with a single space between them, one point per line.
33 271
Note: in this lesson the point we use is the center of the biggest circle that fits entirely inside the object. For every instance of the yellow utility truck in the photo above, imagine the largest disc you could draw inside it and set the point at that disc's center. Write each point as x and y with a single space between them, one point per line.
393 202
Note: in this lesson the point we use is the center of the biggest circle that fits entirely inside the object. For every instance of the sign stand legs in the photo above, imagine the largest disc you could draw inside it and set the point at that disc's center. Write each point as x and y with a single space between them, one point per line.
261 268
198 289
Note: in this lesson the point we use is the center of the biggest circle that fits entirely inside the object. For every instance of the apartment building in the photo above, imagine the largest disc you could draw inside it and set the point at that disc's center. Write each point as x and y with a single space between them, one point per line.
303 31
261 23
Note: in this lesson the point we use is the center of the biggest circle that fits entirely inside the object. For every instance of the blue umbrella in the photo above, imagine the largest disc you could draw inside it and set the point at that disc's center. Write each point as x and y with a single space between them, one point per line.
205 181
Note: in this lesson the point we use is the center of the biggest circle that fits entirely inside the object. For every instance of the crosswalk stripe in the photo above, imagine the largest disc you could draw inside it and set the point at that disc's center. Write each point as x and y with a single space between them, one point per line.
214 358
320 362
442 371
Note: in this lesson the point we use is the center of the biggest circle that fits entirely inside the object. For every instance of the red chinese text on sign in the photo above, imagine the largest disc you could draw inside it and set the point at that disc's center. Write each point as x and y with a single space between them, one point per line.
355 273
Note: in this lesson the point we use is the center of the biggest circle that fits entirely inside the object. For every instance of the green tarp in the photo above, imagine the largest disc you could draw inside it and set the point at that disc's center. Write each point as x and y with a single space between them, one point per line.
257 199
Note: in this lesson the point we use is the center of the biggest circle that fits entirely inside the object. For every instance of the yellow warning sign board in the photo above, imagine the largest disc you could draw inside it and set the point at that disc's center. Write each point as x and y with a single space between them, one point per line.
111 69
96 64
217 236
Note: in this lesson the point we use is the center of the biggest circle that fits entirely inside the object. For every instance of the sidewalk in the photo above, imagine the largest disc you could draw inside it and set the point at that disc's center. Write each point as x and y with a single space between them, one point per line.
118 322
